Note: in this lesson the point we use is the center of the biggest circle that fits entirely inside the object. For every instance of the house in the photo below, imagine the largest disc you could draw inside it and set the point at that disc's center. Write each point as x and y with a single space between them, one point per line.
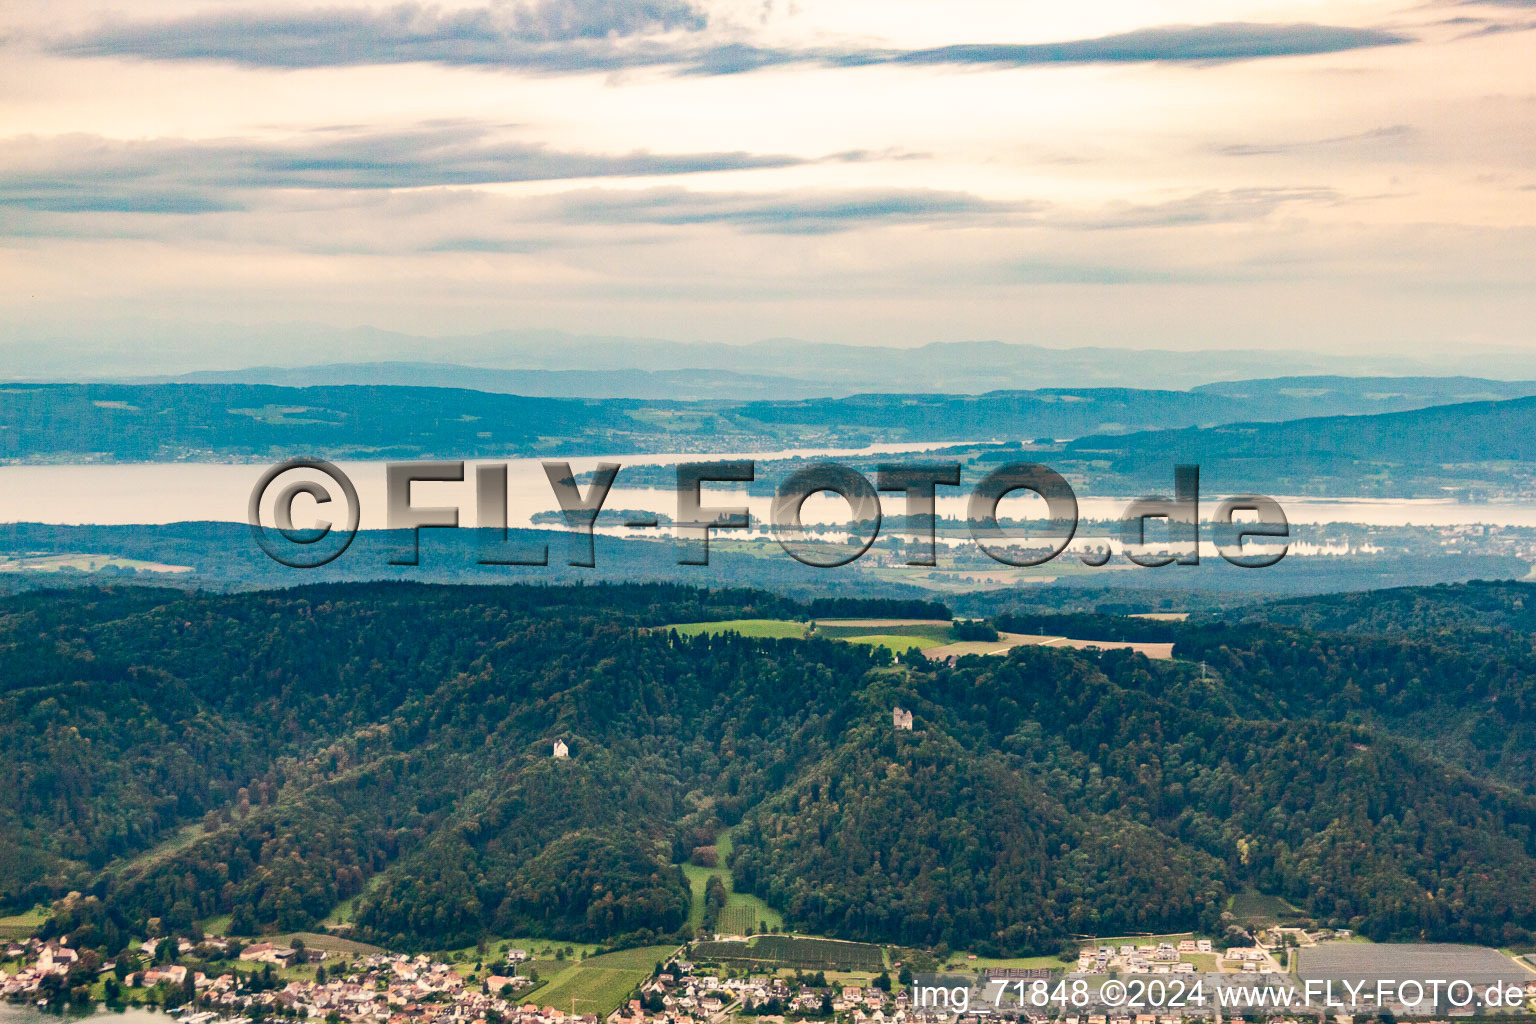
174 975
516 956
56 958
901 719
561 750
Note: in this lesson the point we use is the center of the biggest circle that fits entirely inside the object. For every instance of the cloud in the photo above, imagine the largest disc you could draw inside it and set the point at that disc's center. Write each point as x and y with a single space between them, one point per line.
556 35
787 213
607 35
75 173
1393 133
1185 43
483 244
1211 206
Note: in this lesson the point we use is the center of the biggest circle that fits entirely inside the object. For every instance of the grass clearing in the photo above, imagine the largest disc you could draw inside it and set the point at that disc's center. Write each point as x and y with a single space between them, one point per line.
742 910
216 925
174 843
1205 963
1135 940
776 951
345 912
774 628
1025 962
539 949
894 642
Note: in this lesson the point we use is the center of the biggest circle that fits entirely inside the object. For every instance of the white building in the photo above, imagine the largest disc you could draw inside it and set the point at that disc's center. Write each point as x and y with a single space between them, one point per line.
561 750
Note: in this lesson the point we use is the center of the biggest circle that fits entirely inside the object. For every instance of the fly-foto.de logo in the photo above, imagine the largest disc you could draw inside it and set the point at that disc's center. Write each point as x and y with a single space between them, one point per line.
1250 530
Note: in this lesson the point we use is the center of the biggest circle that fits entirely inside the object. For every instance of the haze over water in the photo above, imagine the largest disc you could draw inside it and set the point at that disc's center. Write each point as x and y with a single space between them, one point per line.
157 493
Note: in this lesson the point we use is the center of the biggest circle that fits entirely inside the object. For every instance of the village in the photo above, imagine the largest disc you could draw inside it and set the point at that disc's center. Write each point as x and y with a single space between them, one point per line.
258 982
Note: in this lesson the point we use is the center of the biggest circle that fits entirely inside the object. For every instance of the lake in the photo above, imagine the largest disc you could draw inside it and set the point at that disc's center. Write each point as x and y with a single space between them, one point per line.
25 1013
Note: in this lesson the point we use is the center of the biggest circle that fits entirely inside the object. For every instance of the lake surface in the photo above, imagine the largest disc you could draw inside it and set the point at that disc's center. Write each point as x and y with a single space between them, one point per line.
156 493
23 1013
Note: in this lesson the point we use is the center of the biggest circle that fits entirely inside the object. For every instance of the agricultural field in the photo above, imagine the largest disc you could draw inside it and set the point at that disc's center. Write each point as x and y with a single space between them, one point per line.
83 562
776 951
934 631
898 635
329 943
1257 908
19 926
1007 641
1369 962
598 985
744 913
543 970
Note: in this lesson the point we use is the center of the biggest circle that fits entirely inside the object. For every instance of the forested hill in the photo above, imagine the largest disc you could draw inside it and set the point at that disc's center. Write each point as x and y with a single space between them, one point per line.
149 422
1474 446
273 755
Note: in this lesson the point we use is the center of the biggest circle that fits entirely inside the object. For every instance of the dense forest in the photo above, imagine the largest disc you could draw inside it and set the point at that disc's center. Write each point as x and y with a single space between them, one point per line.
274 755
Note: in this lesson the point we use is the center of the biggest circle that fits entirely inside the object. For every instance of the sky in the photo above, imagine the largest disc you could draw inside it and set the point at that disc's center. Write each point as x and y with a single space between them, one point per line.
1192 174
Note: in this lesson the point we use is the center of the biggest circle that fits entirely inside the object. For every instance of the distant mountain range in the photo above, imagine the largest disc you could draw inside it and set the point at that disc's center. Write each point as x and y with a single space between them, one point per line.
559 365
776 367
1277 397
654 385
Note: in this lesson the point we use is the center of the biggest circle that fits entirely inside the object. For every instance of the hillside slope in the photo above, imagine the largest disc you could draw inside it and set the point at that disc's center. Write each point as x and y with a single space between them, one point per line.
270 755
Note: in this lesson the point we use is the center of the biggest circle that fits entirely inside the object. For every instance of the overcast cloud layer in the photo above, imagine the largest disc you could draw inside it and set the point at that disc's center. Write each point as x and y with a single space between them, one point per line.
1339 176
